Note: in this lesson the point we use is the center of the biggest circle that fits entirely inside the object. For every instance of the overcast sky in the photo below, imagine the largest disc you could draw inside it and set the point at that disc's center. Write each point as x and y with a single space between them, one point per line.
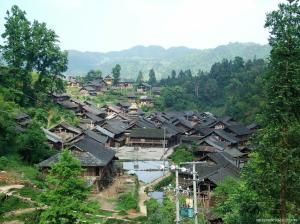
107 25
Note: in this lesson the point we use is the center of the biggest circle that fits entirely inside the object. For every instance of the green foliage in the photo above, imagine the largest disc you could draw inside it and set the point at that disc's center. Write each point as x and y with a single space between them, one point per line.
181 154
92 75
66 193
237 203
32 145
271 179
129 200
152 78
160 213
116 71
31 47
10 203
140 78
164 182
232 87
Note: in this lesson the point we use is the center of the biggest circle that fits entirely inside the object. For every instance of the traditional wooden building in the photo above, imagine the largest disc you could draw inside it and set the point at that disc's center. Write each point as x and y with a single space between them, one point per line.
148 137
108 80
95 159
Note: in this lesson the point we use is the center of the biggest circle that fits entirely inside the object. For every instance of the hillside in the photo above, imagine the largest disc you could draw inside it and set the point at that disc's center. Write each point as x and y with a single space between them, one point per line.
162 60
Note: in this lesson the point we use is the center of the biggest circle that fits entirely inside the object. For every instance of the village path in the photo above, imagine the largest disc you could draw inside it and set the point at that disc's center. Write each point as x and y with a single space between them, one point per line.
143 195
6 189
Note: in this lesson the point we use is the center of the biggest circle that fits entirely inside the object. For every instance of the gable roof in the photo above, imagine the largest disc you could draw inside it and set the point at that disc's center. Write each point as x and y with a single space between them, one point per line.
102 155
67 104
239 129
96 136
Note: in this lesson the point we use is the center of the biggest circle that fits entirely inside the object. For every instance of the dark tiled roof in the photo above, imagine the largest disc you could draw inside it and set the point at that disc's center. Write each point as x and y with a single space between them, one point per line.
67 104
67 127
212 141
89 88
93 117
225 135
147 133
239 129
93 110
21 116
98 150
131 95
96 136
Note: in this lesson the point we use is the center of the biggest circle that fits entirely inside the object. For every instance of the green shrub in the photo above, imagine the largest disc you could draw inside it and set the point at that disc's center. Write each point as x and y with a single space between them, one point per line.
11 203
164 182
181 154
127 201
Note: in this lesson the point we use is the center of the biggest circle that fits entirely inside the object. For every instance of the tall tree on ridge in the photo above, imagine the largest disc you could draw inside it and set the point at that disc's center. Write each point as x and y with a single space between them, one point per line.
152 77
116 71
140 78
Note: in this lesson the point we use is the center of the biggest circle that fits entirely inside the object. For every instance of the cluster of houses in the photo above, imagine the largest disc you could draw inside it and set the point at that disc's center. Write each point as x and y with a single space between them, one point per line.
100 86
221 142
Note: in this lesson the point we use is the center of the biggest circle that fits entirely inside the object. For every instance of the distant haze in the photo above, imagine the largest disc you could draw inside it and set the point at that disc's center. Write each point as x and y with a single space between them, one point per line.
161 60
108 25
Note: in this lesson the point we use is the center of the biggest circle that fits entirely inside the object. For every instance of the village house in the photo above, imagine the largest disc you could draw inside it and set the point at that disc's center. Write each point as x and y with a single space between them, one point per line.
143 87
108 80
23 119
59 96
88 91
156 91
62 135
72 82
146 101
147 137
95 159
126 83
131 97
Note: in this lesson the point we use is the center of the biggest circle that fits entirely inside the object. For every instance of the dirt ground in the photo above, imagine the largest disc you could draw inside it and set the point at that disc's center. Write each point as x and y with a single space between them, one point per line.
108 196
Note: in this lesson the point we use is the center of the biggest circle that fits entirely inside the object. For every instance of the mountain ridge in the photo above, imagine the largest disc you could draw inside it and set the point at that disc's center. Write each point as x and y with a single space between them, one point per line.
162 60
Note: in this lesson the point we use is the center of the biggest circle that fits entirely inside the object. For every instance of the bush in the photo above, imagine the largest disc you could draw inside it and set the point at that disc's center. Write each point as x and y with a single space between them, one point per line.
181 154
164 182
127 201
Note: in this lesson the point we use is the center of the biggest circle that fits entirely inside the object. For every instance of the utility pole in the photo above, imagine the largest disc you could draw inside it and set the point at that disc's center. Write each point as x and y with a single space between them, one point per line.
195 194
177 198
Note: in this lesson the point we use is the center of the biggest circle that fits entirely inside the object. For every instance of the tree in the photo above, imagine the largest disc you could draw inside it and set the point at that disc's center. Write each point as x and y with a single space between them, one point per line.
32 145
32 47
277 151
140 78
66 193
93 75
116 74
152 78
273 170
173 74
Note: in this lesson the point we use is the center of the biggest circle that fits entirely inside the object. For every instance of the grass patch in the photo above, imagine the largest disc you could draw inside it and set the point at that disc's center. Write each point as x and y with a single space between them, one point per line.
129 200
22 171
11 203
29 192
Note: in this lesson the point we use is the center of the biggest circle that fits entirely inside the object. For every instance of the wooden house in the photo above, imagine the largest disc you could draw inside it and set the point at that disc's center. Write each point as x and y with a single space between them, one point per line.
60 96
88 91
72 82
146 101
131 97
108 80
23 119
147 137
95 159
126 83
143 87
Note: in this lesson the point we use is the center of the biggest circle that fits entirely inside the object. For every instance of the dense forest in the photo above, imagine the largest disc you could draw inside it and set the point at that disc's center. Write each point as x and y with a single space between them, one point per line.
232 87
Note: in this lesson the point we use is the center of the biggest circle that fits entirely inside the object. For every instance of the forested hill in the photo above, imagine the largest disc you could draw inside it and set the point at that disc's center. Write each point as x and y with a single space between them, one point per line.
163 61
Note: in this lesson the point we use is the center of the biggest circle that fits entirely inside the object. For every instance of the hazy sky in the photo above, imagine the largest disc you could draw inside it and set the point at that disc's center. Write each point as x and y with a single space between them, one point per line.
106 25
